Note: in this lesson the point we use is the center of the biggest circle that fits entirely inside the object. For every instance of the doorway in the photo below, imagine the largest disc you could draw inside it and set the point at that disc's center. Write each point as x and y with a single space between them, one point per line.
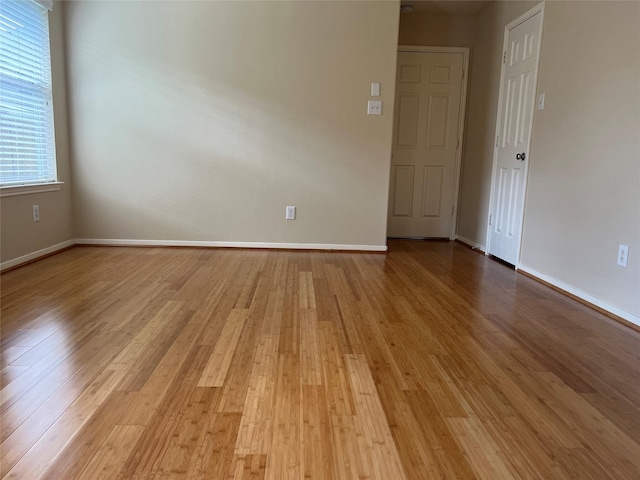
431 86
519 76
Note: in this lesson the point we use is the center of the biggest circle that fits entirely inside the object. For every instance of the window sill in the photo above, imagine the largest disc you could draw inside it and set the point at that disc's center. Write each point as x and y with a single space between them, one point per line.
11 191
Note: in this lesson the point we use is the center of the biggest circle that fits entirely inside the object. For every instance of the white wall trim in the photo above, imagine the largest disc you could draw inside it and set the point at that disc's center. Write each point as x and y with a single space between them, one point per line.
186 243
13 190
430 49
476 245
123 242
581 294
35 255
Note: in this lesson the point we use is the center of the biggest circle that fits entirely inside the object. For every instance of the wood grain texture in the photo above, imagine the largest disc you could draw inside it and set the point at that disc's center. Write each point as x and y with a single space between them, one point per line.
429 362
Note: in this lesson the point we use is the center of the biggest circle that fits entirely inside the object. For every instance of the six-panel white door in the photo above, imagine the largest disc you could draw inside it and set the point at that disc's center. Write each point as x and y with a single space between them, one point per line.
512 140
425 143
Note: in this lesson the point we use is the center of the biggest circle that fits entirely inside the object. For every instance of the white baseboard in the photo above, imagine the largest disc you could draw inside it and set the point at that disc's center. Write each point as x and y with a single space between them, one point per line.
629 317
37 254
193 243
474 245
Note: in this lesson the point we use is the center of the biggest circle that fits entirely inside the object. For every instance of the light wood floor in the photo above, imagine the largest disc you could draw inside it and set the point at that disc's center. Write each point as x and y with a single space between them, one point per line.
429 362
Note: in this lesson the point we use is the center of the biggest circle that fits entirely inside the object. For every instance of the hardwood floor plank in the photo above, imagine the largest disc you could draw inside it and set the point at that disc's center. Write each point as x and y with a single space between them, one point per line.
273 309
284 459
137 304
338 391
130 354
90 438
27 422
528 454
184 446
379 352
54 367
46 449
249 467
350 459
42 348
39 334
595 427
217 367
108 461
256 424
154 390
350 317
432 437
486 458
138 373
145 460
215 456
306 291
414 450
430 361
10 373
10 354
380 448
310 368
234 392
317 452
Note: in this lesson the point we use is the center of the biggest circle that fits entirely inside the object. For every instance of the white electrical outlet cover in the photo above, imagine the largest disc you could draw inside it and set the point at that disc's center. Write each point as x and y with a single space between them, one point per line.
623 255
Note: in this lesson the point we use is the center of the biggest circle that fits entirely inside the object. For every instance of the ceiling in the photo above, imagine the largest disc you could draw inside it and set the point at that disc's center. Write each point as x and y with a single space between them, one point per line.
451 7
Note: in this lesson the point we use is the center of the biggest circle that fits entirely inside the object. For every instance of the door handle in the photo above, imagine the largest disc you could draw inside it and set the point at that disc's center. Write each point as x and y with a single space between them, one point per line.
521 156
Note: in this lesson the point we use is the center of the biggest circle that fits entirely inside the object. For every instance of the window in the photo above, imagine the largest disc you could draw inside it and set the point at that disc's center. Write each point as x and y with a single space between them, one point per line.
27 150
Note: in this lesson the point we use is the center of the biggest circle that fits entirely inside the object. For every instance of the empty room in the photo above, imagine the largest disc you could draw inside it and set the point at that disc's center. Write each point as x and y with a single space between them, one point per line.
316 239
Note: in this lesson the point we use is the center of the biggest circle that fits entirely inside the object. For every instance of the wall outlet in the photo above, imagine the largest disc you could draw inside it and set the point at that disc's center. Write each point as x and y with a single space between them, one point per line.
36 213
623 255
374 107
290 214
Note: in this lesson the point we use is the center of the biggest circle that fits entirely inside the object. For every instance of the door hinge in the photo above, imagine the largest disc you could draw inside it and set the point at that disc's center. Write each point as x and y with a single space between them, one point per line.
490 220
504 57
497 140
453 207
462 74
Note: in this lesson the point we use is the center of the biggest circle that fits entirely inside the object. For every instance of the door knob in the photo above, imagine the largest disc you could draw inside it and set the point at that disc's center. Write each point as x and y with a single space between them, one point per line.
521 156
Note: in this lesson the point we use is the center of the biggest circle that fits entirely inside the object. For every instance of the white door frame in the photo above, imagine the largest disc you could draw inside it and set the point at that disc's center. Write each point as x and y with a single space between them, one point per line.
461 119
514 23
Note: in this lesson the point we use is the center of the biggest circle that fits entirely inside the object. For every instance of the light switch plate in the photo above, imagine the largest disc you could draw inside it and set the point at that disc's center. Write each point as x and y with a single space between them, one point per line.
375 89
290 213
374 107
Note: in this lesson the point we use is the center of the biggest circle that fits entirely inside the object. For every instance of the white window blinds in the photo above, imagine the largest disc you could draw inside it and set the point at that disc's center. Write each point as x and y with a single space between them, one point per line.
27 151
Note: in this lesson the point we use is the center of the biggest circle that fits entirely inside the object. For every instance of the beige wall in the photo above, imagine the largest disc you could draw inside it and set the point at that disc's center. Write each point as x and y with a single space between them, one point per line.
20 235
203 120
583 196
482 108
436 30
